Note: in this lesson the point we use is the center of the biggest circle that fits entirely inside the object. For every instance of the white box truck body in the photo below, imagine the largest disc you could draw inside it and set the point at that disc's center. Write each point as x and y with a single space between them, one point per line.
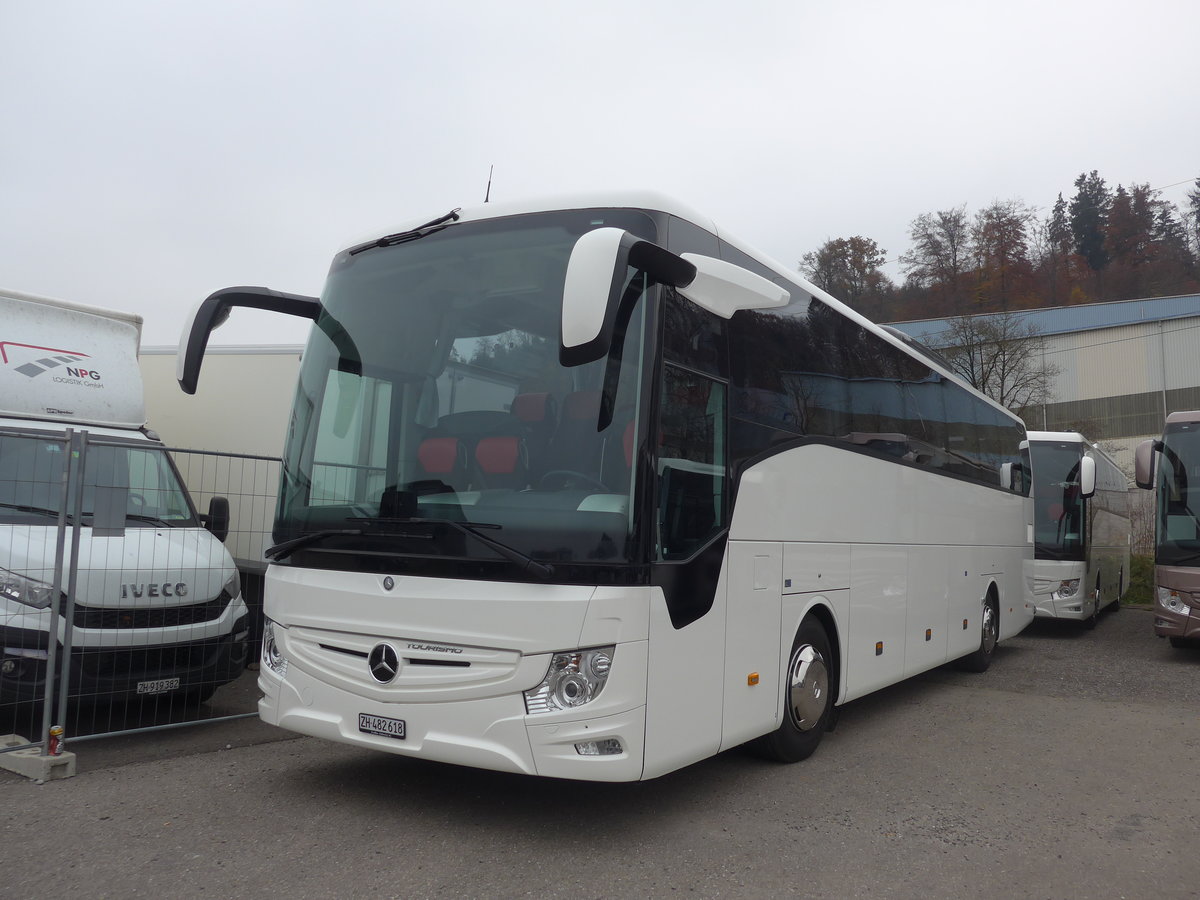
157 605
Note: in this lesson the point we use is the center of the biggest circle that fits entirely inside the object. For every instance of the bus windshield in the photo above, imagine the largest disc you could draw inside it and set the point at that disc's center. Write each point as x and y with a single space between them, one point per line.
1178 531
1059 522
431 392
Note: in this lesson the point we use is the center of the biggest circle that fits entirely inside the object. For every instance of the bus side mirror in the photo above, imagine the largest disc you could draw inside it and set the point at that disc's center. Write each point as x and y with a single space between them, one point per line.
214 310
217 520
1143 464
595 283
1087 477
596 275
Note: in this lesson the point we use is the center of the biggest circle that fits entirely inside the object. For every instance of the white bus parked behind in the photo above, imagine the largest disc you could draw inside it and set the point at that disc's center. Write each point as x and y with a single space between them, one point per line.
1081 527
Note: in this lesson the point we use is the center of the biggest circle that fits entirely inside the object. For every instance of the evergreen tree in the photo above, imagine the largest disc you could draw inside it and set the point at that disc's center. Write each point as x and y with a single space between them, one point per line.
1089 217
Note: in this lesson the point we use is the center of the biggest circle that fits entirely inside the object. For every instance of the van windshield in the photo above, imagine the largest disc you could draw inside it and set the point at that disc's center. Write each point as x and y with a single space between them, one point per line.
31 473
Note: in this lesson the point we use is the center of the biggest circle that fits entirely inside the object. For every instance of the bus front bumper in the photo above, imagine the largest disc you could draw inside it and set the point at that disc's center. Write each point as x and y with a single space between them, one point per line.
491 733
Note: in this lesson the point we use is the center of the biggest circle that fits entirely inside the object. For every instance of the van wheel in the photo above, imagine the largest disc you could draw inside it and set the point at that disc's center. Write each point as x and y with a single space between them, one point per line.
989 636
807 698
1116 604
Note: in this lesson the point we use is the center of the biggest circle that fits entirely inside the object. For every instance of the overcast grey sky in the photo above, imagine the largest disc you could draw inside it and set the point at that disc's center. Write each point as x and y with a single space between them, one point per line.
153 152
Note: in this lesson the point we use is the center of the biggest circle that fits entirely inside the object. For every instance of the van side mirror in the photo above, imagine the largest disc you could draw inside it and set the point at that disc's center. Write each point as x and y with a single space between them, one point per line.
217 519
1143 463
1087 477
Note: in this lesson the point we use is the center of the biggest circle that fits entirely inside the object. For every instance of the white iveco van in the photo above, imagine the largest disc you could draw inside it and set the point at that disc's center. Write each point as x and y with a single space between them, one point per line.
157 607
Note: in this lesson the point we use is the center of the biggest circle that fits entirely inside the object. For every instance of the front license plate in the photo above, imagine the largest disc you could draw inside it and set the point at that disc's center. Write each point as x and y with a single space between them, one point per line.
393 728
160 686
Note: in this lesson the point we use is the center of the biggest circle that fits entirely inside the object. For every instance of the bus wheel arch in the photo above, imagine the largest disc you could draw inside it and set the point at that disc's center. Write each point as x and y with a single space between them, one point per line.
810 686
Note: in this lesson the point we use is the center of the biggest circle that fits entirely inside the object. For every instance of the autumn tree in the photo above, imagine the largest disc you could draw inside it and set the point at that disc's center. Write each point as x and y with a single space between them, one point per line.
849 269
940 254
1001 355
1000 242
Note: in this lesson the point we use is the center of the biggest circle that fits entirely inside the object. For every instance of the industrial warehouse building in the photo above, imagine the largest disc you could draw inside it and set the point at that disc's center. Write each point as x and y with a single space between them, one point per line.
1121 367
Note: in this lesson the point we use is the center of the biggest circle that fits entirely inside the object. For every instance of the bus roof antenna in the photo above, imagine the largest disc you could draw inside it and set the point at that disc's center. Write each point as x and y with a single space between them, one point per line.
488 192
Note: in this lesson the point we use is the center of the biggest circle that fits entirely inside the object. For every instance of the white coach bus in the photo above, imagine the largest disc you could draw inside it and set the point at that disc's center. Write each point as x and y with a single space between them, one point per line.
593 491
1081 527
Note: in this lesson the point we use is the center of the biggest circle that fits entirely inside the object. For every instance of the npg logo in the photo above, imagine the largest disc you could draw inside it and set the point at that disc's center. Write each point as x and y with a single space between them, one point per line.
44 364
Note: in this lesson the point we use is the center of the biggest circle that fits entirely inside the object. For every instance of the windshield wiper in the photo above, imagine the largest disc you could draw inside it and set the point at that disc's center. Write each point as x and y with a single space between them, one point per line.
527 563
153 520
412 234
21 507
279 551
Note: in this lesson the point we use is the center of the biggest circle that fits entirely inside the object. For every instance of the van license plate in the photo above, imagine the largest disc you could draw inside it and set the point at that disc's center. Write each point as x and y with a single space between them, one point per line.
160 686
393 728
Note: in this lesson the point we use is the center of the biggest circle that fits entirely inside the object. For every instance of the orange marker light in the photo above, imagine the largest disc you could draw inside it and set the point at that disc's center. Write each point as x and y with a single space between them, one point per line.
752 679
879 648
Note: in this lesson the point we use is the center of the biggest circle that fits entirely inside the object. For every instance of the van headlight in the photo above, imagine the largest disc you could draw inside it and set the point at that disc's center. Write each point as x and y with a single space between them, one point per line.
574 678
232 587
272 655
26 591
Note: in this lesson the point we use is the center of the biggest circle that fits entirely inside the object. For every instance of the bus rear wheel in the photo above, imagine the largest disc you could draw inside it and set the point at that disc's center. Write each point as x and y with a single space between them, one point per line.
807 698
989 635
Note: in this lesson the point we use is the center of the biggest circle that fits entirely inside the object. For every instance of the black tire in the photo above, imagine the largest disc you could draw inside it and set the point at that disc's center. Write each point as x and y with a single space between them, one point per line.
1116 604
807 698
200 695
1090 622
989 635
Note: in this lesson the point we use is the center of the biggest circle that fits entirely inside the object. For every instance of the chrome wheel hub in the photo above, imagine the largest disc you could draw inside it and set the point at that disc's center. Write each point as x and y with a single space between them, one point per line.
989 628
808 687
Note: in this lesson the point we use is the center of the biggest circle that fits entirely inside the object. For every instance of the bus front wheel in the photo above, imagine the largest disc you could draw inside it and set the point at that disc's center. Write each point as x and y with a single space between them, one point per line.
807 698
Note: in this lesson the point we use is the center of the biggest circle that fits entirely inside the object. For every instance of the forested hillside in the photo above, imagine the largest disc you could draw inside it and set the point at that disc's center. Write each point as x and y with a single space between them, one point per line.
1101 243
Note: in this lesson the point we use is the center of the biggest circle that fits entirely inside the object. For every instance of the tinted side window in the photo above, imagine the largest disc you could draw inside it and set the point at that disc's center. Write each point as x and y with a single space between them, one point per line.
693 336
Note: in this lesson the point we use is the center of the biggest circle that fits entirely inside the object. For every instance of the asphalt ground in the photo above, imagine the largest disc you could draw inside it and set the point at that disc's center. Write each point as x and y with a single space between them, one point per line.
1067 770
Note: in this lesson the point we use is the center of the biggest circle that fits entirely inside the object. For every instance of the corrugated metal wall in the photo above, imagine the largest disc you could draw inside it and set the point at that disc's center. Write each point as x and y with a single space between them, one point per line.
1119 383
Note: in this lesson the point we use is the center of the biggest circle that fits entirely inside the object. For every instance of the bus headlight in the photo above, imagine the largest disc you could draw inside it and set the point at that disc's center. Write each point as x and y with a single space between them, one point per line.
1172 600
1067 589
573 679
26 591
272 656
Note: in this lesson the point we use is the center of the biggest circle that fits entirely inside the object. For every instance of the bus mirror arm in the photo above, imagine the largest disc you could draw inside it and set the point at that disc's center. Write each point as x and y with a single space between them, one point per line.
214 310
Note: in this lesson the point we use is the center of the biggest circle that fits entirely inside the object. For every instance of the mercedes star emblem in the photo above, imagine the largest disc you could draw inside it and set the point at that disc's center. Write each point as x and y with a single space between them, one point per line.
384 663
